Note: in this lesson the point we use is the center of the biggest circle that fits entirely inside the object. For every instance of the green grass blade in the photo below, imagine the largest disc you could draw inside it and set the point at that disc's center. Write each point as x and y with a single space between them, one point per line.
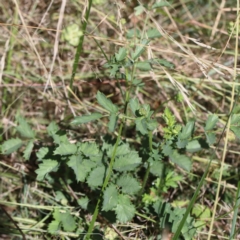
80 44
235 214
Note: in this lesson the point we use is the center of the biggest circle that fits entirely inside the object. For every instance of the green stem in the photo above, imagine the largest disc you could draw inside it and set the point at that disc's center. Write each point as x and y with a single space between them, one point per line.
80 45
109 172
110 167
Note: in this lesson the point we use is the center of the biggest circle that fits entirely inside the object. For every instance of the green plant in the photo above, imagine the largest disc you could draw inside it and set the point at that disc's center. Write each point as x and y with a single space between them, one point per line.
112 168
115 177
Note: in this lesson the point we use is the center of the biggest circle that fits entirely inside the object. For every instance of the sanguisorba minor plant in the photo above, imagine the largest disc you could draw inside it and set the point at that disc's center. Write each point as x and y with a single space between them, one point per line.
114 172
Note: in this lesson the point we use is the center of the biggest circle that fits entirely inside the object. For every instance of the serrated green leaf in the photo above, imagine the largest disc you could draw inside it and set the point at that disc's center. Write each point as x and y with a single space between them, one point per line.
68 221
60 137
24 128
46 167
140 49
110 198
127 162
42 152
143 66
125 210
139 10
86 118
128 184
193 146
66 149
11 145
28 150
156 168
236 130
112 122
52 129
153 33
141 125
106 103
181 160
95 178
80 167
121 55
187 130
54 226
134 105
160 4
90 150
83 202
211 122
211 138
235 119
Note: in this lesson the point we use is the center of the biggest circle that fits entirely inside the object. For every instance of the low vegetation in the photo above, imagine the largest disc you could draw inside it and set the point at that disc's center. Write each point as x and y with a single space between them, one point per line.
120 120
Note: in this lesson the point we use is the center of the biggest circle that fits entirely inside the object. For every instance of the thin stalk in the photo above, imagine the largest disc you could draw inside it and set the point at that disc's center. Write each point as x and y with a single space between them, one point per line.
109 172
9 60
232 104
80 44
235 215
